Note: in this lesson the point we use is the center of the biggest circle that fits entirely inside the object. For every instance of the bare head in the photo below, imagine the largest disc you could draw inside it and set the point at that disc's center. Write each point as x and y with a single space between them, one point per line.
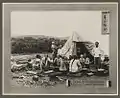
29 60
96 44
38 56
75 56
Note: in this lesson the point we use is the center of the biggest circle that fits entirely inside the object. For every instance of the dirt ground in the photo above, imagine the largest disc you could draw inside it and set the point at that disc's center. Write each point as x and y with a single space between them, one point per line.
60 87
25 85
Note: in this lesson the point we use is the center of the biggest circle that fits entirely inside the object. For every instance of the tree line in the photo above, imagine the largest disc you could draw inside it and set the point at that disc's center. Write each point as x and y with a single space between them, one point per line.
33 45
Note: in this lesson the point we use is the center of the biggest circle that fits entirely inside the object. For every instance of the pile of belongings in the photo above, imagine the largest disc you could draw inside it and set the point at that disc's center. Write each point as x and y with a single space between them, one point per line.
18 67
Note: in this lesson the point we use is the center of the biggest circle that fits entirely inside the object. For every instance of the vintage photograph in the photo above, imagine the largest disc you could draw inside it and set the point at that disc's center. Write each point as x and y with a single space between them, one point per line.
54 51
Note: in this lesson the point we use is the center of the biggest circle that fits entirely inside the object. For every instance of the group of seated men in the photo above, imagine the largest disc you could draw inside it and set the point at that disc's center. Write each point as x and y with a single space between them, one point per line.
73 64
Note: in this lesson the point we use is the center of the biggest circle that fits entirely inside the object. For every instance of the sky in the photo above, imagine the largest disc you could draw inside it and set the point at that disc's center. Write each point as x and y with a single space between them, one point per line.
61 24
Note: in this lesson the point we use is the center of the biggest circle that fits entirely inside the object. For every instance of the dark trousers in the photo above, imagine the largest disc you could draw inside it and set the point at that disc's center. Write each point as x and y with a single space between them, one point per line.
97 62
87 66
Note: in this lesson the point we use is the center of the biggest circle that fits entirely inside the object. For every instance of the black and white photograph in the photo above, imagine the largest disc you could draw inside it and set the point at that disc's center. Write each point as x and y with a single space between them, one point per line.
61 49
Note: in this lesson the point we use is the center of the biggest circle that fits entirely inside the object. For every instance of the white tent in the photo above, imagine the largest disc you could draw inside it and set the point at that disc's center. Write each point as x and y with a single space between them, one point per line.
70 46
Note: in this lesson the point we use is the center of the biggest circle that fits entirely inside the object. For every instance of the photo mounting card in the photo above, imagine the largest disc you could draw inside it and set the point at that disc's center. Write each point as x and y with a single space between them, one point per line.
60 49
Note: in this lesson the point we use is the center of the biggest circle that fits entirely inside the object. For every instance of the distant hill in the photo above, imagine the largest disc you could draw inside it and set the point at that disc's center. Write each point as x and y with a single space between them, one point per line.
35 43
41 36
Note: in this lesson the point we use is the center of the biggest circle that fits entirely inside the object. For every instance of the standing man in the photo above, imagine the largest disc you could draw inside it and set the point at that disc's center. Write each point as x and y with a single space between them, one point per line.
97 55
54 50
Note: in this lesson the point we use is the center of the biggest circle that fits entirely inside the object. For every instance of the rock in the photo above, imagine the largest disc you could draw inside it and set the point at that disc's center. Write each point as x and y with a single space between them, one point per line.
35 78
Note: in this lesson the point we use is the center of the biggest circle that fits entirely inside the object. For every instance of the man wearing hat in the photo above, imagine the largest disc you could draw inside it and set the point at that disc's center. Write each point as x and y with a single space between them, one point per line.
97 54
53 46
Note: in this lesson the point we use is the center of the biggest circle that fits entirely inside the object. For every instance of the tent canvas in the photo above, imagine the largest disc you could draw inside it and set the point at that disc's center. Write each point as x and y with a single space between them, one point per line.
74 43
